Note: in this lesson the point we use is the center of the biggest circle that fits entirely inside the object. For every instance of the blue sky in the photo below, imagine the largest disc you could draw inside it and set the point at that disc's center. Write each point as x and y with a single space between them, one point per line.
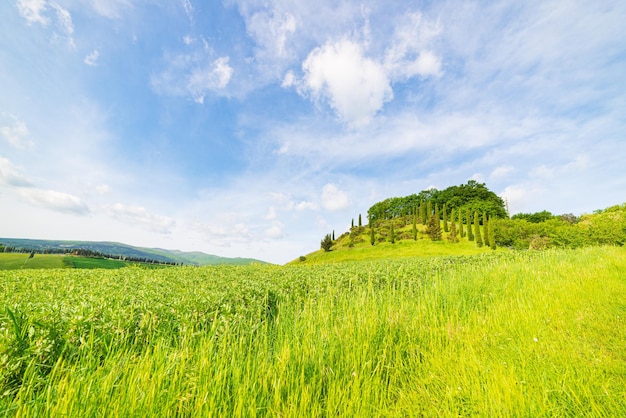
253 128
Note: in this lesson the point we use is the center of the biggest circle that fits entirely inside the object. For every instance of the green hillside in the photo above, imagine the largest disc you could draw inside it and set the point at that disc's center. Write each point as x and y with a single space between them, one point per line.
124 251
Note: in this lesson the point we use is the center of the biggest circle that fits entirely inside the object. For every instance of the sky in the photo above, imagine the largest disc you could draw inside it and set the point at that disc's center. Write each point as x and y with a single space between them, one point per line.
249 128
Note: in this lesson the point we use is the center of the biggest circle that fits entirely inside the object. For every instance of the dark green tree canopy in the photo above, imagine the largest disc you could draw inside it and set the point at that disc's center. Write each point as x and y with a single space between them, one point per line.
474 196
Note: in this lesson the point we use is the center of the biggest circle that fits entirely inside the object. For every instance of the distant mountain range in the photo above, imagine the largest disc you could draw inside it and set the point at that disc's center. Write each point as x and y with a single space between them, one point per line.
117 249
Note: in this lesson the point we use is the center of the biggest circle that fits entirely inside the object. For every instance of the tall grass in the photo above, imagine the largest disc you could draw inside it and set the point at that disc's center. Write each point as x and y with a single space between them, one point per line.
506 334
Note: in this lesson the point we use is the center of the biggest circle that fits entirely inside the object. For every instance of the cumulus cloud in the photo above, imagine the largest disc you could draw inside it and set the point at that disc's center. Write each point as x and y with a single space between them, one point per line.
212 78
334 198
54 200
14 131
92 59
355 85
138 215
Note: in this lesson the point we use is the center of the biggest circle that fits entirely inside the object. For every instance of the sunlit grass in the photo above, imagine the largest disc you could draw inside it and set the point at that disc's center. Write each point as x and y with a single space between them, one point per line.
505 334
13 261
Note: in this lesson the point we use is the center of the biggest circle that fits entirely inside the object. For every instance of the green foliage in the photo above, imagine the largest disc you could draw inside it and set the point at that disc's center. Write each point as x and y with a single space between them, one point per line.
392 235
372 235
445 218
452 236
470 231
434 229
414 230
360 222
491 233
326 243
479 238
486 228
535 218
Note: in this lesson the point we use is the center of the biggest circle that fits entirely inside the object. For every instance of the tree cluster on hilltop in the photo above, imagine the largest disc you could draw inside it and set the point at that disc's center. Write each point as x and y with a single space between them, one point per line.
473 196
473 212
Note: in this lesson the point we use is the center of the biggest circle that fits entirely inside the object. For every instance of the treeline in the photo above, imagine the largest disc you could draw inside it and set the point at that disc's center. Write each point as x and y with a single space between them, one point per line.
82 252
471 197
543 229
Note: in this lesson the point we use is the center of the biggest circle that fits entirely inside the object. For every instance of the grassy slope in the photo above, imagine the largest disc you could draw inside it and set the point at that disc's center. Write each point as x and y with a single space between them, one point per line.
405 246
532 334
13 261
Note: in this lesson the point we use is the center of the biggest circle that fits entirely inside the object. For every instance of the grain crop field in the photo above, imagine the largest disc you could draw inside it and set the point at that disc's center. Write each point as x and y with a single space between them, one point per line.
506 334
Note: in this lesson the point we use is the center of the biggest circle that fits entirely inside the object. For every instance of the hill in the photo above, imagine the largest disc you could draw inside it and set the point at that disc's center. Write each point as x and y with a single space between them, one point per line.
464 220
117 249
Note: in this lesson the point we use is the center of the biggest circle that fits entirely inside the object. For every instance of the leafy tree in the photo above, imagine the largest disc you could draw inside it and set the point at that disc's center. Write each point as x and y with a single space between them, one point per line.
445 218
327 242
452 235
479 239
434 229
535 218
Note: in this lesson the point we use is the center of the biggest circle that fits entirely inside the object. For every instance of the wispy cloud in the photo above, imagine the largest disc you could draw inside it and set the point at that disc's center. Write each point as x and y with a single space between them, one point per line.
14 131
195 73
140 216
92 59
10 176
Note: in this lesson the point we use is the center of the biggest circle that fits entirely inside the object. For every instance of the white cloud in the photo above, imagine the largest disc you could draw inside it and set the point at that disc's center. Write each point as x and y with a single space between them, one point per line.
225 234
54 200
355 86
194 74
409 54
10 176
334 198
304 205
275 231
188 9
271 30
32 11
13 130
111 8
138 215
92 59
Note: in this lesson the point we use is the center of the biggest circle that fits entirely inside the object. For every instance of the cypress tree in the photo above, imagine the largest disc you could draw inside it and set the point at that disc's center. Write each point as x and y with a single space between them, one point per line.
352 222
434 228
437 212
470 233
423 212
429 211
333 234
360 220
392 237
485 229
461 231
492 235
372 235
452 235
479 239
445 218
415 226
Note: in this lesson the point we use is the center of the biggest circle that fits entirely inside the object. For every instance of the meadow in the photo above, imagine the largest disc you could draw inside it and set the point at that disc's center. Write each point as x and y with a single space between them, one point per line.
531 333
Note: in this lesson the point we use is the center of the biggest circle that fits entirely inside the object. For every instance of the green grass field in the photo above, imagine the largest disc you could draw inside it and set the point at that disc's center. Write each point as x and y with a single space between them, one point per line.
14 261
531 334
